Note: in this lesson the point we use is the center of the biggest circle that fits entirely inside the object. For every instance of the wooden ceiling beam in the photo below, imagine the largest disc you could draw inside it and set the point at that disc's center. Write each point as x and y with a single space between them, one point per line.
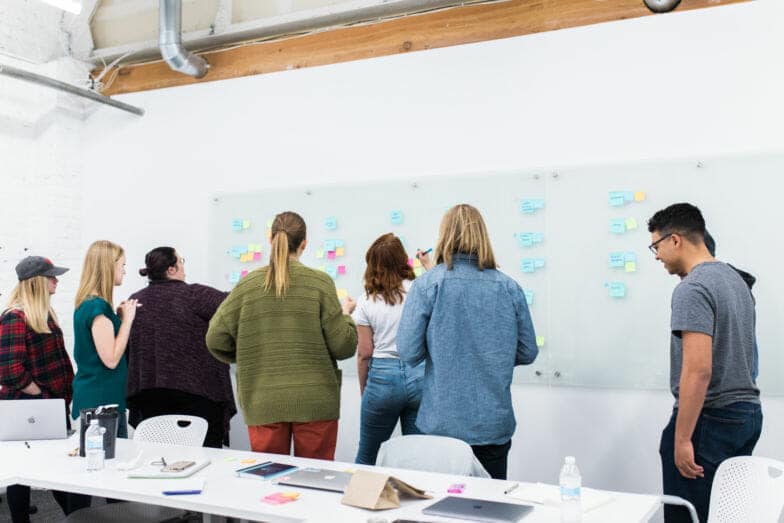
454 26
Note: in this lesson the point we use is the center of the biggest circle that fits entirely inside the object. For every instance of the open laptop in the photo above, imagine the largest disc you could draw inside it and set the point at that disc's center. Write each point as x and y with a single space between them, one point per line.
478 510
320 479
25 420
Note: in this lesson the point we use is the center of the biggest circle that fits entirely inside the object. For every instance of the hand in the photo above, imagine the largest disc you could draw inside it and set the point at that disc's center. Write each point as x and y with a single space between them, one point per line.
349 305
684 460
33 389
127 310
424 259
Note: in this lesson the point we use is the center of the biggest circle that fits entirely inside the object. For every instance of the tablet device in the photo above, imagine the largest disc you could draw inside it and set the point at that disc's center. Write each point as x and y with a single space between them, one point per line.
266 470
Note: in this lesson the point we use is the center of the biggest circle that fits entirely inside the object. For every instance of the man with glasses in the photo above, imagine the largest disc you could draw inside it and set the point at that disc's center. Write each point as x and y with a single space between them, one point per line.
717 412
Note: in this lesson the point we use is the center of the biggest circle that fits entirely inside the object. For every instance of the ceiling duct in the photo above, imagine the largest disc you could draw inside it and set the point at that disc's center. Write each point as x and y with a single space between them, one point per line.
170 41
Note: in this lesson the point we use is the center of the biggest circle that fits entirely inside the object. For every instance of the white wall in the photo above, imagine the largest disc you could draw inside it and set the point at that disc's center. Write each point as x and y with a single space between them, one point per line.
687 84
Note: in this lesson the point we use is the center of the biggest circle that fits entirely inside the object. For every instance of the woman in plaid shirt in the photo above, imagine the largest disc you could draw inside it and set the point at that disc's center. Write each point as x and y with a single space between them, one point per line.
33 361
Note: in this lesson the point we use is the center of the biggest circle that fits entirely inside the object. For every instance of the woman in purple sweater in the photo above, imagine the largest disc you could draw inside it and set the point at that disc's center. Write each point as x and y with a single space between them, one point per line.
170 370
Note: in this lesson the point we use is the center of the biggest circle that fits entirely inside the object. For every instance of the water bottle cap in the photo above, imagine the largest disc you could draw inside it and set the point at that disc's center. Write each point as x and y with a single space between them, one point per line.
570 460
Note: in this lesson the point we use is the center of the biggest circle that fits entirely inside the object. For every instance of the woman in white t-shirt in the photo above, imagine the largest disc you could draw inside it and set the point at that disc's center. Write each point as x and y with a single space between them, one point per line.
390 389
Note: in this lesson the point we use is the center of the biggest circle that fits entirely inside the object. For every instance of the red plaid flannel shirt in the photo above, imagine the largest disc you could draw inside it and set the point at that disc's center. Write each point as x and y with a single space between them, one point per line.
27 356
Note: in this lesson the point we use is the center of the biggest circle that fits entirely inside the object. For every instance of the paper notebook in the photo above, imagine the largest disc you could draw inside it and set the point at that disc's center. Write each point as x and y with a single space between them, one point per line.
550 495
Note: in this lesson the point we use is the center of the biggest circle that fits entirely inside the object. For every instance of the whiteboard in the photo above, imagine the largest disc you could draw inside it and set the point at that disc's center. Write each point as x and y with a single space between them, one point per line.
559 232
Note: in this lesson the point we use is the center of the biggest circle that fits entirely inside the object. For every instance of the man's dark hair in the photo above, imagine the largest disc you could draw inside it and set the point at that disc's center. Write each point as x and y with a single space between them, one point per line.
681 218
710 243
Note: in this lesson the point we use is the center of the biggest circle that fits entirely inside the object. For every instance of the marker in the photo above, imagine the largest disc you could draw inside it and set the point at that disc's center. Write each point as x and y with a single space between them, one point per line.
180 492
27 445
512 488
425 252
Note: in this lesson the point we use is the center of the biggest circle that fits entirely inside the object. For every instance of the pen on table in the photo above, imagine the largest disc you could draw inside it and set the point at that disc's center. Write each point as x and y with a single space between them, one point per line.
180 492
512 488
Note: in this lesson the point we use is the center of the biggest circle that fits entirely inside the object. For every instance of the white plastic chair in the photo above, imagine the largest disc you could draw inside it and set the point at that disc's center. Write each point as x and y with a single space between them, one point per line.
173 429
430 454
748 488
676 500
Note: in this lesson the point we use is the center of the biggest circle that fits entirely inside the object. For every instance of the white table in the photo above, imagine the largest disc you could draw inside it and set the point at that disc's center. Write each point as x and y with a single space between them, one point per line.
46 464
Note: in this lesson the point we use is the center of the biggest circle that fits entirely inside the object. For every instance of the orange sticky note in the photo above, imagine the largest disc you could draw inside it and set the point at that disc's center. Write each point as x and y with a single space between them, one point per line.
340 251
639 196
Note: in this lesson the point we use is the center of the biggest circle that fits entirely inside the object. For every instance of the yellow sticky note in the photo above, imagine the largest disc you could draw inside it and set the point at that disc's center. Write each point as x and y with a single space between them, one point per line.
243 257
417 263
631 224
540 341
630 266
269 223
269 233
246 224
340 251
319 254
247 461
418 271
322 268
342 294
639 196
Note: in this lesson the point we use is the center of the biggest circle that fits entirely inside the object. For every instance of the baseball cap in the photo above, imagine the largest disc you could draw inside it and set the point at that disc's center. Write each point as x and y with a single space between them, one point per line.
37 266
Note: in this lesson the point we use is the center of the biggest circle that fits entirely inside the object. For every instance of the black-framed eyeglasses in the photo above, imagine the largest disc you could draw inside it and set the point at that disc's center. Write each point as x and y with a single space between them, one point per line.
654 247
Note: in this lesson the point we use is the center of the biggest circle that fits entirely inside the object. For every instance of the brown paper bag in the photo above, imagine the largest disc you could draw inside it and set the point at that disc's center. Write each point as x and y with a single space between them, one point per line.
378 491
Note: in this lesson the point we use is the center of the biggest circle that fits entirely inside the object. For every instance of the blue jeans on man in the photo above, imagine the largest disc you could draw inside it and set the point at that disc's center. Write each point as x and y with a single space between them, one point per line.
720 433
393 391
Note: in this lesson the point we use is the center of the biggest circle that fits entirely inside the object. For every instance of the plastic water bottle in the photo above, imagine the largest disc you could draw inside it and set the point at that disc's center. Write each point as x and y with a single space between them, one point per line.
570 482
93 442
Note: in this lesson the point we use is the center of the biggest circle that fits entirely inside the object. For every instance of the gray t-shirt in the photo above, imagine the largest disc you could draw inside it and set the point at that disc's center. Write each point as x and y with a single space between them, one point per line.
714 299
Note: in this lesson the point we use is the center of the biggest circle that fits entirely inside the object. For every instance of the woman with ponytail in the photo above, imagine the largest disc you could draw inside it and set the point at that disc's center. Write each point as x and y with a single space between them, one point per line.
285 329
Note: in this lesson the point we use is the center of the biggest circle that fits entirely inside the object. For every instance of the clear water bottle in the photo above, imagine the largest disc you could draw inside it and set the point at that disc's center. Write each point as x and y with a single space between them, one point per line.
570 482
93 443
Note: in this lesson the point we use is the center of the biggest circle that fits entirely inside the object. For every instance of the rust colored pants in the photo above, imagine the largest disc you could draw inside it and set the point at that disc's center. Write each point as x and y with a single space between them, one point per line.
315 439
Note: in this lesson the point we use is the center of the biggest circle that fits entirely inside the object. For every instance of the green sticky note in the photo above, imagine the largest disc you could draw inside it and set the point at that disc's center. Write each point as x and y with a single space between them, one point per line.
631 266
540 341
631 224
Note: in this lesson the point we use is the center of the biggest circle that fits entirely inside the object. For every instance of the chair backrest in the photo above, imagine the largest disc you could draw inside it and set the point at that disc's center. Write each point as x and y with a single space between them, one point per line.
430 454
173 429
747 488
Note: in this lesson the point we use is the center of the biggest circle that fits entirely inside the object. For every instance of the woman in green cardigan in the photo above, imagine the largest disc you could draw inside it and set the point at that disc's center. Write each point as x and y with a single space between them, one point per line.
285 329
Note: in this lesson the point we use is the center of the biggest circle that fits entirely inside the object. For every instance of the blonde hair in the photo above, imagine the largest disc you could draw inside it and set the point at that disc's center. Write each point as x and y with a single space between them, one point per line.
98 271
288 232
31 296
463 231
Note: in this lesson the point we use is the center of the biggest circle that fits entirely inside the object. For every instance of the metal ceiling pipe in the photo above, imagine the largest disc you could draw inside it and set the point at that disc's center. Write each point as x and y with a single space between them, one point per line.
170 41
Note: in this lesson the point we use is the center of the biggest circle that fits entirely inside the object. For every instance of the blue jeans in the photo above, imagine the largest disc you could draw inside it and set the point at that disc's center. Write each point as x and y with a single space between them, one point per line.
392 392
720 433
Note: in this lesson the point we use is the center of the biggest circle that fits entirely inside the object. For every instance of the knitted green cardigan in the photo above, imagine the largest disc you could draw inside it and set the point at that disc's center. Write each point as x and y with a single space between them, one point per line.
285 348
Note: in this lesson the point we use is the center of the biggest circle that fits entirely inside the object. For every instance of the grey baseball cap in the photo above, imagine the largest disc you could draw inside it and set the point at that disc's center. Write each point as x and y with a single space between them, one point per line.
37 266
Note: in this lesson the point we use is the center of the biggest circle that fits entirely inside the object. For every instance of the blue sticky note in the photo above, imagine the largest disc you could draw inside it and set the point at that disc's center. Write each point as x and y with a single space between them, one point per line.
528 265
525 239
628 196
236 252
396 217
539 263
616 259
617 199
236 225
538 237
529 297
329 245
538 203
629 257
338 243
617 289
617 226
330 223
527 207
234 277
332 271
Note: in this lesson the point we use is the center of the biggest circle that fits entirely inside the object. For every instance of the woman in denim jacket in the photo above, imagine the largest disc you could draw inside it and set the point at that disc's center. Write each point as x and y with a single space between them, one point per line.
470 324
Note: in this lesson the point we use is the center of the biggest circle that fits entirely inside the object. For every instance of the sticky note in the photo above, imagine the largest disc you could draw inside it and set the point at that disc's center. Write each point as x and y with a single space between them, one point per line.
617 289
342 294
322 268
338 243
629 257
248 461
419 271
396 217
246 224
320 254
236 252
617 226
234 277
256 256
269 233
329 245
528 265
540 341
538 237
330 255
529 297
539 263
330 223
341 269
527 207
630 266
628 196
411 262
269 223
332 271
340 251
631 224
616 259
280 498
243 274
245 257
616 199
639 196
456 488
251 247
236 225
538 203
525 239
417 263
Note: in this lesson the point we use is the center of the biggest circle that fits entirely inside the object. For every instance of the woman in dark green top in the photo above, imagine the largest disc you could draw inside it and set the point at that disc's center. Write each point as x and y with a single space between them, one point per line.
100 335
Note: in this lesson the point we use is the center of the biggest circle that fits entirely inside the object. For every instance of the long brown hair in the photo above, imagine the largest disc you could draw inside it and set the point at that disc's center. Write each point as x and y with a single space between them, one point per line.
463 231
31 296
98 271
288 233
387 267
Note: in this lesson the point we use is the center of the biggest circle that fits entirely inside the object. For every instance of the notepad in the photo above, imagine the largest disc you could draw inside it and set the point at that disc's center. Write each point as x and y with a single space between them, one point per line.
550 495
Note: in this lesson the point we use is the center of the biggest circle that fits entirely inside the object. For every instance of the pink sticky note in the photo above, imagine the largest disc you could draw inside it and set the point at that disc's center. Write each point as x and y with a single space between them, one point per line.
411 262
331 255
243 274
256 256
341 269
278 498
456 488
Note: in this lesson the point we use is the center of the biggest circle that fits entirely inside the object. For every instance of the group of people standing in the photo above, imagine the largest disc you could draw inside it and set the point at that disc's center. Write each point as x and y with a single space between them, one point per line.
435 352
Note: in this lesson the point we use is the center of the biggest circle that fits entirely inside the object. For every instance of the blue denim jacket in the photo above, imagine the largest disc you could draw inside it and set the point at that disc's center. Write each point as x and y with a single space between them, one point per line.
471 327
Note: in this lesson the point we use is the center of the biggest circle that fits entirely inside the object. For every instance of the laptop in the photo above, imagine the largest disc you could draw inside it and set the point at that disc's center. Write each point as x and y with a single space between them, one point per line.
478 510
319 479
26 420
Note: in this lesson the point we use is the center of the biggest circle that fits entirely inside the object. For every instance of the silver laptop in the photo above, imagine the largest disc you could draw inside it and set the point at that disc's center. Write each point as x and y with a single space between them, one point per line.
478 510
25 420
320 479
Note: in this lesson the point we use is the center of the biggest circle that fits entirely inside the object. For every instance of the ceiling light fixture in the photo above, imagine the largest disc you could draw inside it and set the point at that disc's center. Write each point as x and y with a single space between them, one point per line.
72 6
